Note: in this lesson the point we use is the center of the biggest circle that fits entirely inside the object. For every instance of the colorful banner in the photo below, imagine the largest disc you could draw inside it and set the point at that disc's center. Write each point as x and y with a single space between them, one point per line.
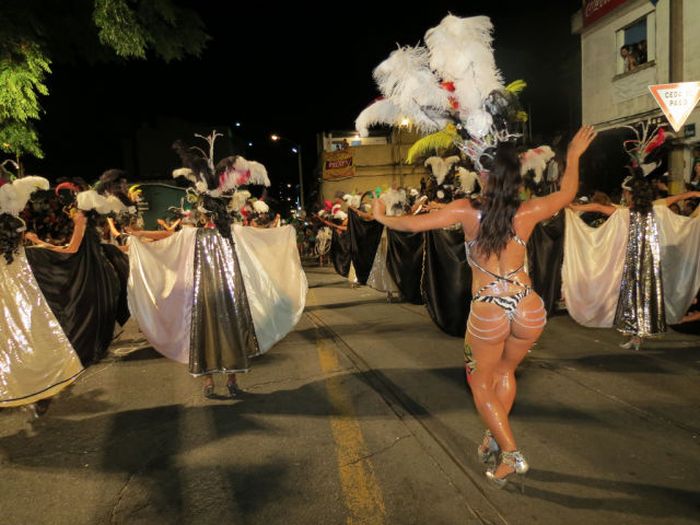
596 9
338 164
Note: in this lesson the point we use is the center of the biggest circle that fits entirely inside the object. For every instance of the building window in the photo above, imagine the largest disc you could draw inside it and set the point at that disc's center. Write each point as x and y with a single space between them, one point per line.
636 43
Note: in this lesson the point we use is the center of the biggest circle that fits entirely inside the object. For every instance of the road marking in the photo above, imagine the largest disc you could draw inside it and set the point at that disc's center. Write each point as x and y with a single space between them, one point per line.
361 491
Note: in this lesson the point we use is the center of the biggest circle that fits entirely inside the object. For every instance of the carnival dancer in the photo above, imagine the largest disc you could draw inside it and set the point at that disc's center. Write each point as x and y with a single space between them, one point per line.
36 358
220 335
640 311
506 316
217 306
379 277
78 281
452 89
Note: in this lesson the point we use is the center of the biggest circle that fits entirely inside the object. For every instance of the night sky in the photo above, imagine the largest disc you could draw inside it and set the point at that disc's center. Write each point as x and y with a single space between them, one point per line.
291 70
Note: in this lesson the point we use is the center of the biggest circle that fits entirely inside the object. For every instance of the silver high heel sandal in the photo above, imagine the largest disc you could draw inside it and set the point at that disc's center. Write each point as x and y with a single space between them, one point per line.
489 452
517 462
634 343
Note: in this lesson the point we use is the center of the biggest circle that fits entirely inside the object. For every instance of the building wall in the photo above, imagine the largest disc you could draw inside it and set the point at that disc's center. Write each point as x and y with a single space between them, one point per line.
609 98
379 165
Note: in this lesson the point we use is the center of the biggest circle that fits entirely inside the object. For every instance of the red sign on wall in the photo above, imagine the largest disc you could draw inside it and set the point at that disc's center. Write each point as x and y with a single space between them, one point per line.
596 9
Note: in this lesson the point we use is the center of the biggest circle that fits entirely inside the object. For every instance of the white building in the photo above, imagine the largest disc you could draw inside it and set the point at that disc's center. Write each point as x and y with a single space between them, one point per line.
660 40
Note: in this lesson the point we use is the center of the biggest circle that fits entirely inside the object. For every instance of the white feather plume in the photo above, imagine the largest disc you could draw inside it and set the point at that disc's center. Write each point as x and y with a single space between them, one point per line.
91 200
185 172
461 51
352 200
536 160
14 195
258 174
440 167
340 215
467 180
382 111
394 200
244 172
260 207
239 199
405 78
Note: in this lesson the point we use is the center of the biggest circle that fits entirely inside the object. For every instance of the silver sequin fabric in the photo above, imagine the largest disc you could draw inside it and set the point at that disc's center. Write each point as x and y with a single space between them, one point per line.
222 337
640 306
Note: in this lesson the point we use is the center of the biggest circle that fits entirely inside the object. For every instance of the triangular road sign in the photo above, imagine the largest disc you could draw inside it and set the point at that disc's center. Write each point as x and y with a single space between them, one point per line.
677 101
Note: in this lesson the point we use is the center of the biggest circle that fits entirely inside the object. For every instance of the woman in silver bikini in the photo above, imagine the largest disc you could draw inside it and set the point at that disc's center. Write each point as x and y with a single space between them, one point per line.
506 316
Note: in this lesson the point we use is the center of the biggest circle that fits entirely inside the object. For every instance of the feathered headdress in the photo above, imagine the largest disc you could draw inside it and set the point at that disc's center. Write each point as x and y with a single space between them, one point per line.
74 188
394 200
135 193
645 143
91 200
352 200
467 180
450 87
229 174
440 167
260 206
237 171
536 160
14 195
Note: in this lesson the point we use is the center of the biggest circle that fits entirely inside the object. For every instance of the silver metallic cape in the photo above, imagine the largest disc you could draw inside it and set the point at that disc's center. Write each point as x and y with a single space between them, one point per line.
379 277
222 336
36 358
640 307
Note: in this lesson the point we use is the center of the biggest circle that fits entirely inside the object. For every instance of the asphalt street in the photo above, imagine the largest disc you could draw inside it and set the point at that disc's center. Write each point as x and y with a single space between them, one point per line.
362 416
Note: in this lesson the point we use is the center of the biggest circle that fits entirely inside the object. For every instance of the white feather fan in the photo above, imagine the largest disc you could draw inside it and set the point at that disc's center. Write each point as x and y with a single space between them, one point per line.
394 200
91 200
14 195
441 167
536 159
461 52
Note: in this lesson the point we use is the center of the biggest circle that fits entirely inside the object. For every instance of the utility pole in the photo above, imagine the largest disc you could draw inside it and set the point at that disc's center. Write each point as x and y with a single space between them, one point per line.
301 179
675 74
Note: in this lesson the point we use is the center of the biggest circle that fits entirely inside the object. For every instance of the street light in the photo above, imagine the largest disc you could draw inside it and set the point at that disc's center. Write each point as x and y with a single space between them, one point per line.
296 148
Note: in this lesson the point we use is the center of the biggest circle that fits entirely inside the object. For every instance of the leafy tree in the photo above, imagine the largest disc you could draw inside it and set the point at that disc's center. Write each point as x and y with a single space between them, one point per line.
33 33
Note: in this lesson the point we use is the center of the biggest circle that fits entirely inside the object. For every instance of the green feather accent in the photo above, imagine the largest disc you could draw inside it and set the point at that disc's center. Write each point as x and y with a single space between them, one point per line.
522 116
516 86
441 140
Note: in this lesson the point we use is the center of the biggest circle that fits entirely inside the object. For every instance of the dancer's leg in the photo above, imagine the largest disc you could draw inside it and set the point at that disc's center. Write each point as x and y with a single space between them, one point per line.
526 328
488 329
208 385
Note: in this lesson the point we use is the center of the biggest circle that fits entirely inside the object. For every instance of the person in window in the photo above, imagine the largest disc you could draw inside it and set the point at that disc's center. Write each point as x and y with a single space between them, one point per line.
641 48
628 57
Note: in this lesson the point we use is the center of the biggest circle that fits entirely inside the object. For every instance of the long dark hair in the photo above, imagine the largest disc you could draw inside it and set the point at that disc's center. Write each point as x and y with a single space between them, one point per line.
501 200
219 214
642 194
10 238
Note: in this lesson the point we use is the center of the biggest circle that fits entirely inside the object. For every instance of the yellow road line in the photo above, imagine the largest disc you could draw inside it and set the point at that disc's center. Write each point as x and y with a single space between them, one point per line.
363 496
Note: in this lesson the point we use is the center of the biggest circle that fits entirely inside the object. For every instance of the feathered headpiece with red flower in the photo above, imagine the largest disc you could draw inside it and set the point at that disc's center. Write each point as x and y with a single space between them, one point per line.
648 139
